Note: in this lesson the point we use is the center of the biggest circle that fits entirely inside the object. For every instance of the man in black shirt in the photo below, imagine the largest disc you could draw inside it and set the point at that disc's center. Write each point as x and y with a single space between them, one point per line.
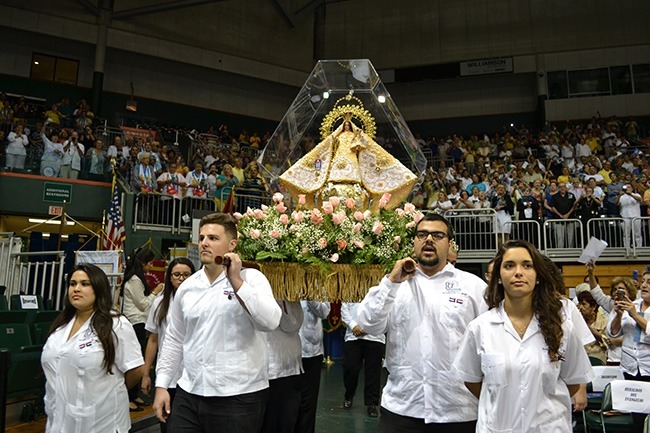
562 205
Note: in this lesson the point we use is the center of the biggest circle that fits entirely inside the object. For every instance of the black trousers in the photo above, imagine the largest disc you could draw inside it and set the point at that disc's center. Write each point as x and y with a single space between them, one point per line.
235 414
637 418
283 405
390 422
309 387
366 354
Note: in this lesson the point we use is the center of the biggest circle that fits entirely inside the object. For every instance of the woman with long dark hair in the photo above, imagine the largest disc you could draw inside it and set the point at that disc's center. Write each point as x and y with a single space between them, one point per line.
90 353
522 355
137 298
178 271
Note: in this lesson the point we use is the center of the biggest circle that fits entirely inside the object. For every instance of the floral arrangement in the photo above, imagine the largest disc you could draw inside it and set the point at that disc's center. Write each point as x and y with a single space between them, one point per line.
339 232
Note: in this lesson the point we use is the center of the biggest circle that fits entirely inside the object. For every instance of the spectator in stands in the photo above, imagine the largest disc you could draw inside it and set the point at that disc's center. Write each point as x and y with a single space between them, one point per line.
238 169
117 148
221 311
83 121
224 183
443 203
96 161
629 321
563 205
90 353
171 183
53 116
52 153
65 112
629 203
179 270
504 208
197 182
3 150
87 137
255 141
502 346
36 147
311 337
6 114
17 147
21 110
531 175
361 350
137 298
73 152
597 322
143 178
477 181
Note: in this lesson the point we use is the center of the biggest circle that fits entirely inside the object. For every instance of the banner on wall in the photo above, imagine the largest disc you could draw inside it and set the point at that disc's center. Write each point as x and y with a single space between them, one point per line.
486 66
108 261
156 274
146 135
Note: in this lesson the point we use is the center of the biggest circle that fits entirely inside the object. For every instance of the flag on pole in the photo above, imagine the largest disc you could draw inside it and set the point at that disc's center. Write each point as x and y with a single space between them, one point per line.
114 234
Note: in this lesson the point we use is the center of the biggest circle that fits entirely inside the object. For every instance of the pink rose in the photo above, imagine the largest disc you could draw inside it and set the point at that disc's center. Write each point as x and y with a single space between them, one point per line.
400 212
278 197
255 234
417 217
334 201
342 244
386 197
237 215
264 207
358 215
350 203
359 244
336 219
334 258
377 227
382 203
302 199
322 242
328 208
284 219
298 216
409 208
280 207
397 239
357 227
258 214
275 234
410 225
316 217
366 214
249 212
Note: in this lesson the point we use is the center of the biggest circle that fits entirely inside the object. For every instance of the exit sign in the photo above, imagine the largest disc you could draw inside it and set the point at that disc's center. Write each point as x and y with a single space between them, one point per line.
55 210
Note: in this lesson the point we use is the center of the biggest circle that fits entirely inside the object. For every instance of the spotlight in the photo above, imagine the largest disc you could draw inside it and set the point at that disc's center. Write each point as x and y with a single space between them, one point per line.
381 99
326 94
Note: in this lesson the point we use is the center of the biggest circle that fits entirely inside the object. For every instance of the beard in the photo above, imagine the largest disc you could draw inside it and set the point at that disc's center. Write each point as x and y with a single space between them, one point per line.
430 262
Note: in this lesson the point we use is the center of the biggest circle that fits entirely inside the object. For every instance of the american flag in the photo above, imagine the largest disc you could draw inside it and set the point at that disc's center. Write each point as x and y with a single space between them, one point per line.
114 230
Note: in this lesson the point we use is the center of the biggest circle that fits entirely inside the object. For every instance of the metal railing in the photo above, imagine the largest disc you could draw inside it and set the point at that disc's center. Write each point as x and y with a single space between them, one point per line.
609 230
474 231
8 244
641 236
526 230
189 205
43 277
563 237
156 211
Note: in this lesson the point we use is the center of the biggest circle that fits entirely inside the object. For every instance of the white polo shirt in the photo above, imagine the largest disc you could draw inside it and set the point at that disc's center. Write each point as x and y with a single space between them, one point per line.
523 391
349 317
218 342
80 396
424 320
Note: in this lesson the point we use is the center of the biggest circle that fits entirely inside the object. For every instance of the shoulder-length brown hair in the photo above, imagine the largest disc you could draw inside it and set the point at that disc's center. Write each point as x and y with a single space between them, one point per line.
546 303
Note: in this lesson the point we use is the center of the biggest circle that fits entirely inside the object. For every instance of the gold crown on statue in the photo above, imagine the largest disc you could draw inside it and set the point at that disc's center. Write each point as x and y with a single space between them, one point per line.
353 109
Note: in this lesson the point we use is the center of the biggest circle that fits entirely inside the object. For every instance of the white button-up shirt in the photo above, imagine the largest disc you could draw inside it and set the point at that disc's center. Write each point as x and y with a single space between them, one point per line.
349 312
635 355
152 326
219 344
283 344
311 331
80 396
424 319
523 391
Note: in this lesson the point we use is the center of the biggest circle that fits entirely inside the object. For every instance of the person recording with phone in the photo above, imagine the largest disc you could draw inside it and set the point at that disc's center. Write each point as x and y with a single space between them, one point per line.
630 320
629 203
73 152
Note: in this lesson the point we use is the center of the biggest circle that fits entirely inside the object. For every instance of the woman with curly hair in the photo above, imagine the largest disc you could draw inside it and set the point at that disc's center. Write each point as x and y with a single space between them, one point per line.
179 270
521 358
90 354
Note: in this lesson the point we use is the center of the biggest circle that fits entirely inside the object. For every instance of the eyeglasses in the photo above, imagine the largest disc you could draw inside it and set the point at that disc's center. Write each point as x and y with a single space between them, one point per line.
424 234
181 274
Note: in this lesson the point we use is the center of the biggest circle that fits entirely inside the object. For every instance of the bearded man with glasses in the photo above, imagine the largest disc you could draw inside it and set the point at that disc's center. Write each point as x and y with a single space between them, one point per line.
424 306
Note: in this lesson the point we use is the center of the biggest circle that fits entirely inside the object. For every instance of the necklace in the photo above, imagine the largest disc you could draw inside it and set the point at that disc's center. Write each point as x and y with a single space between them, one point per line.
521 327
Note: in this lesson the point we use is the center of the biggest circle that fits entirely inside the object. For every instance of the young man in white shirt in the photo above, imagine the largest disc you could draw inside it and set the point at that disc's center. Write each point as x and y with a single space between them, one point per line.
215 334
424 306
73 151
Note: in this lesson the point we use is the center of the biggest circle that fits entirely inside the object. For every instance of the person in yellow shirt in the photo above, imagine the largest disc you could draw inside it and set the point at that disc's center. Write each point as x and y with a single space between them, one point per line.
565 177
605 171
593 143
